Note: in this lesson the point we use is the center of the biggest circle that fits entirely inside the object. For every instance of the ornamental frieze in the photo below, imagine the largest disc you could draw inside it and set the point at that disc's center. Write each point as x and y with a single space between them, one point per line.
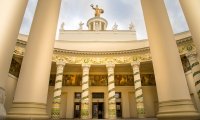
189 47
99 58
102 60
19 50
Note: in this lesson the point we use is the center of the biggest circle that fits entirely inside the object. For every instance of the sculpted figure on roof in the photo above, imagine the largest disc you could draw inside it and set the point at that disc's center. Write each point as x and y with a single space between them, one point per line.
98 11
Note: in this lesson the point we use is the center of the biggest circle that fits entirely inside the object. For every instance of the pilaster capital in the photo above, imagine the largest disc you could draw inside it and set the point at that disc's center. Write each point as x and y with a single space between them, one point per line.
110 65
60 63
135 64
86 66
191 54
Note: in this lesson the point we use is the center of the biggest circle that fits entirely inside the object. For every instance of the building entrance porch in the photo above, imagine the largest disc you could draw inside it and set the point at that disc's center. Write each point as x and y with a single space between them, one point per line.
98 92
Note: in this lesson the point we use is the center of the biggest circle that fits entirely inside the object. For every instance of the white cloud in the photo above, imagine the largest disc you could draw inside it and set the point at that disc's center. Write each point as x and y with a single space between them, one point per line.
28 17
176 16
123 12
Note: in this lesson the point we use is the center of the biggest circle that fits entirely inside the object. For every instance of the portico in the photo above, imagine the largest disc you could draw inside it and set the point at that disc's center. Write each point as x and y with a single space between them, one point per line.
98 79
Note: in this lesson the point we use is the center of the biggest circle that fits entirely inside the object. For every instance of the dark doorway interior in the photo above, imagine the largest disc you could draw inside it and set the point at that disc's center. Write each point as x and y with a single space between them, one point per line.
119 109
77 109
97 110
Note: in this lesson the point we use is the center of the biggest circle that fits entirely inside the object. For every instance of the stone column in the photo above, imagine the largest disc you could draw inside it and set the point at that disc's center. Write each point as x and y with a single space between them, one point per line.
94 26
173 94
138 89
85 92
195 67
111 92
55 113
100 25
191 10
11 15
32 87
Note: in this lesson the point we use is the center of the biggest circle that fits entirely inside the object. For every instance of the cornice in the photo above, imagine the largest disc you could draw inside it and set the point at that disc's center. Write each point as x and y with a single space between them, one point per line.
122 52
132 51
185 45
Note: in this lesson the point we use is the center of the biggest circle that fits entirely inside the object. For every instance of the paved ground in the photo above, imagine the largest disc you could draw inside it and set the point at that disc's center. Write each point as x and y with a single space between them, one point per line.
116 119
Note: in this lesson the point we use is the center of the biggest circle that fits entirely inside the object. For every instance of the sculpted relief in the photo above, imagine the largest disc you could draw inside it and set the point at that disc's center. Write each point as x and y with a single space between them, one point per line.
15 68
124 80
102 80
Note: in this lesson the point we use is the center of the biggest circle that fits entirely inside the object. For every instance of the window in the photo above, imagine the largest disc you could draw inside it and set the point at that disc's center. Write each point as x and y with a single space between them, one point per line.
118 95
77 95
97 95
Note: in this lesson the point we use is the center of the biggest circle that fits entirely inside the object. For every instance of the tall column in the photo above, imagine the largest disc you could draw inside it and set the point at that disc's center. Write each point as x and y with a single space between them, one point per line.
195 67
32 87
100 25
192 89
111 92
94 26
55 113
138 89
191 10
85 92
11 15
173 94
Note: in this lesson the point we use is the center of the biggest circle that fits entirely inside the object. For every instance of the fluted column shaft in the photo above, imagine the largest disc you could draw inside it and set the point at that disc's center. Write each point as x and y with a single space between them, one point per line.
173 94
191 10
85 92
55 113
11 15
111 92
138 89
32 87
195 67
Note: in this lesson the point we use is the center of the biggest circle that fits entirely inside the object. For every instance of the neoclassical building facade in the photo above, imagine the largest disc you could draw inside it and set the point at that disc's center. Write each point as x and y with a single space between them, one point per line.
99 73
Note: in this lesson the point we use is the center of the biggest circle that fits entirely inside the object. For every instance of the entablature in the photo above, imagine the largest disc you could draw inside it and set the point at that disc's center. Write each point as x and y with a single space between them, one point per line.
185 45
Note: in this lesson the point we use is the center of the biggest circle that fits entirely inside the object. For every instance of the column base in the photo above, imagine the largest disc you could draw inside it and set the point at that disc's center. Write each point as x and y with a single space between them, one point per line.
141 115
27 111
2 100
2 111
177 110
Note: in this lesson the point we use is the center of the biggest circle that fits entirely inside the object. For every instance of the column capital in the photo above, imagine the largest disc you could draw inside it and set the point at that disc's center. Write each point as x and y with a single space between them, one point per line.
191 54
135 63
110 65
62 63
86 65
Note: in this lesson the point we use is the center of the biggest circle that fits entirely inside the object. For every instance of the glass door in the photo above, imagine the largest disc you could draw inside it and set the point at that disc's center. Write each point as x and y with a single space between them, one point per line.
77 110
119 110
97 110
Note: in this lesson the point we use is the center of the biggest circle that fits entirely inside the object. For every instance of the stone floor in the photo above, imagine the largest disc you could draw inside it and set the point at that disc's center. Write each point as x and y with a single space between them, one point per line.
117 119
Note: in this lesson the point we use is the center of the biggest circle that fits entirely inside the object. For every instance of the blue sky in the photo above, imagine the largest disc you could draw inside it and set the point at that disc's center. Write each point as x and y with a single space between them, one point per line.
123 12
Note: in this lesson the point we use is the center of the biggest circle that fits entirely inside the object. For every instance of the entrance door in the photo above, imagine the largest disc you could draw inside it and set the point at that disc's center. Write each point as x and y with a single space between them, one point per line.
119 109
97 110
77 110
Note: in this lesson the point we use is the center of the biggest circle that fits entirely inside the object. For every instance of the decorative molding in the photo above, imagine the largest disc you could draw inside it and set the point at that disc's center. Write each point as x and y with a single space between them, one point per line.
104 57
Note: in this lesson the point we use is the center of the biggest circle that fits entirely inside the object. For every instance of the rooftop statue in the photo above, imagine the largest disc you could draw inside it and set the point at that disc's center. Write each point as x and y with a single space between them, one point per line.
62 26
131 27
98 11
81 25
115 27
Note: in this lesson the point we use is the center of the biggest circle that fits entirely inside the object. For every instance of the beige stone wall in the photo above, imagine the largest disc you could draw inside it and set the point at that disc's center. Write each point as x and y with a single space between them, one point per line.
127 101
